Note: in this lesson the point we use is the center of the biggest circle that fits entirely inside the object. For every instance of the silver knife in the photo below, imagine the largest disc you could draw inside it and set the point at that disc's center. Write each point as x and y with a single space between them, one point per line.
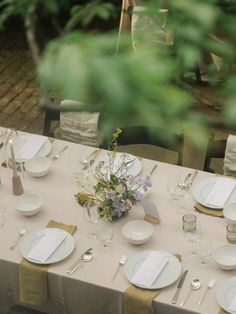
180 284
79 260
193 177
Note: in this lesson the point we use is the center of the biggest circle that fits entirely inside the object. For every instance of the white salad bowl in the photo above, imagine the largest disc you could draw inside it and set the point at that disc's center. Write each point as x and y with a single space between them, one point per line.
225 257
137 231
28 204
38 166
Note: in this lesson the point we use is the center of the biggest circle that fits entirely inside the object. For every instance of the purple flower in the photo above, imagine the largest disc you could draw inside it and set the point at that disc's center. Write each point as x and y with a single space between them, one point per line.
110 195
147 183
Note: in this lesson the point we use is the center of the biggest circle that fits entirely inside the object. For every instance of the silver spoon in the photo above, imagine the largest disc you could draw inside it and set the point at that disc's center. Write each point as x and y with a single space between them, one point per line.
21 234
60 151
86 257
194 285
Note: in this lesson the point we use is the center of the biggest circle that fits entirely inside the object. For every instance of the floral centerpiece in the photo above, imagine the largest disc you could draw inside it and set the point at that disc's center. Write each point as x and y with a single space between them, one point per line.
115 192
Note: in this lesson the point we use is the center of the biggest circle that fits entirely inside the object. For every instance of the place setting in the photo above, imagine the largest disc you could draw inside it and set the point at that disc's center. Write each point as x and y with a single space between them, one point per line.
40 249
213 193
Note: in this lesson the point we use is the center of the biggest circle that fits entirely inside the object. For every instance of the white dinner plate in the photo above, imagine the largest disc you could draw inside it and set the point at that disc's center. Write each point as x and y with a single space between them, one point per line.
31 239
43 152
225 293
168 276
133 168
202 188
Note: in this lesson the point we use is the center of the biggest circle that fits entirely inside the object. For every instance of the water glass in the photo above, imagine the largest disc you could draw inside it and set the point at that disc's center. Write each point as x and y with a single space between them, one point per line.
104 233
192 231
231 233
189 223
204 250
91 215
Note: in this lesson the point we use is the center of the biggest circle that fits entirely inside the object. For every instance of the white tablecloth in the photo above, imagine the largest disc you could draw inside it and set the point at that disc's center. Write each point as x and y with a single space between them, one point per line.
89 290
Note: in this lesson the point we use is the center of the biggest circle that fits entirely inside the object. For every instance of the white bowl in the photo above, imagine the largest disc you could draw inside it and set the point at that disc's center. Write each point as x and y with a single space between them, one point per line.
229 212
225 257
137 231
38 166
28 204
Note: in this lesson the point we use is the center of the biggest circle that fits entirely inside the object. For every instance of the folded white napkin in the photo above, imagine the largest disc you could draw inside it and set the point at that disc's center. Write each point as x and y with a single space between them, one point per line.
220 192
232 305
150 269
49 242
29 146
229 166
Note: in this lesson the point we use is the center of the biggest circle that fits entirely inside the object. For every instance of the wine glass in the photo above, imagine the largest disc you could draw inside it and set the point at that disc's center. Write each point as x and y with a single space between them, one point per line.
192 231
104 233
173 187
79 170
91 215
204 250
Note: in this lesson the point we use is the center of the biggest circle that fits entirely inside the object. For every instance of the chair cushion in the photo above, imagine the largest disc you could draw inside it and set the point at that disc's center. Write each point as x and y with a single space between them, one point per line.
80 127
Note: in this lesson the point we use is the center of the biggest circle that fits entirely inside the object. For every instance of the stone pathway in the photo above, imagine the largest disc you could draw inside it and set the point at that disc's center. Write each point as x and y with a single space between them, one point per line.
19 89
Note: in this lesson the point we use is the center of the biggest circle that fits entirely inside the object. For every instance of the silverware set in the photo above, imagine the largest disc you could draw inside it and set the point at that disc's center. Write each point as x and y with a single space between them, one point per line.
84 257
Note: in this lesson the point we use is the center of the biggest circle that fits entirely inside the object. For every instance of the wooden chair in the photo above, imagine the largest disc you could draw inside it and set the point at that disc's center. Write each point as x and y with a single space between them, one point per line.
215 149
155 136
52 114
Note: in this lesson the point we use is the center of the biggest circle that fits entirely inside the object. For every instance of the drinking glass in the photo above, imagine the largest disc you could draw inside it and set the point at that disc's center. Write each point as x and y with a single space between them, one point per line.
104 233
204 250
173 187
192 231
91 216
79 170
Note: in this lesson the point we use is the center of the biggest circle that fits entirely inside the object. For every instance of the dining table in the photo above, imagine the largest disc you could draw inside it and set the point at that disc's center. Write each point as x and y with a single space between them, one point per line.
90 289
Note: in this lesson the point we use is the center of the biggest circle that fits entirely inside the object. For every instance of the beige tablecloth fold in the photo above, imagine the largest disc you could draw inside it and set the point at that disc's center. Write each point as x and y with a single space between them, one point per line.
208 211
33 277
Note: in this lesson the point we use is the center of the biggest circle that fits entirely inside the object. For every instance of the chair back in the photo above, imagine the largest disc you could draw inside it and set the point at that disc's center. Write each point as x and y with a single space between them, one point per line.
155 136
215 149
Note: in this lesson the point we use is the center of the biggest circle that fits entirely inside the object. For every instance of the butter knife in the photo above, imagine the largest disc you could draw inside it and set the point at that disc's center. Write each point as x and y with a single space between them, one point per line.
193 177
180 284
78 261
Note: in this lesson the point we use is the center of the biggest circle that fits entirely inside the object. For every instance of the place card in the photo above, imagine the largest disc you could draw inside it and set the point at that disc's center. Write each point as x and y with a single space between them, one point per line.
151 212
220 192
151 268
49 242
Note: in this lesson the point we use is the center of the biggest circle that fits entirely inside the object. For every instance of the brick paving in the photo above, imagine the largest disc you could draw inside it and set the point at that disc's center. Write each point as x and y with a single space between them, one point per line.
19 89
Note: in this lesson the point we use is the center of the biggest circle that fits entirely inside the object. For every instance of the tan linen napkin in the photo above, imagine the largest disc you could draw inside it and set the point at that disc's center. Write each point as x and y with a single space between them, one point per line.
138 300
208 211
221 311
33 277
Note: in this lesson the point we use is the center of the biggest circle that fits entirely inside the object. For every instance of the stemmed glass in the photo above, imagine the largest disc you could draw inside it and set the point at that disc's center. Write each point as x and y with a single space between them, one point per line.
91 215
79 169
104 233
204 250
173 187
